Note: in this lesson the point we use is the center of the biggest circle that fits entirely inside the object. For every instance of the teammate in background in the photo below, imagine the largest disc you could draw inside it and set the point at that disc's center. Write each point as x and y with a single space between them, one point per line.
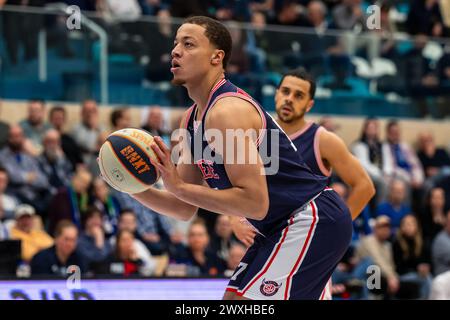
322 150
305 227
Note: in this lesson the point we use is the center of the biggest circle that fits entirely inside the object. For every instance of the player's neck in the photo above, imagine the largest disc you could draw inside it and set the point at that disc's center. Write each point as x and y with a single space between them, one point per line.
200 92
293 127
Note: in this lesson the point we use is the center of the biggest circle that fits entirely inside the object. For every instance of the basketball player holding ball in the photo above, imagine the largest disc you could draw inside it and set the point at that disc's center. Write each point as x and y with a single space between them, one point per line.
305 227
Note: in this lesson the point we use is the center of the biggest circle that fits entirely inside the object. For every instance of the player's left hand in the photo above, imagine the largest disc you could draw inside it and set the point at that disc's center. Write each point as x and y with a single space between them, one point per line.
243 230
167 169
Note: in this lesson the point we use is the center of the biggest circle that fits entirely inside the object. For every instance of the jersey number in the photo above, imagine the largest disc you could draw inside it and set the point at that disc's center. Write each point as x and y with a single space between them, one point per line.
241 267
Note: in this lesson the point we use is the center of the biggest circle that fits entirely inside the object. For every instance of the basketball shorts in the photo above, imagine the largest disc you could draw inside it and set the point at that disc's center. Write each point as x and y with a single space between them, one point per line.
298 258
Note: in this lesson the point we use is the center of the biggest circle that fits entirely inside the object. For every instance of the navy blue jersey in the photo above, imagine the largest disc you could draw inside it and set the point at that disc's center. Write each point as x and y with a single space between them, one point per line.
291 187
307 143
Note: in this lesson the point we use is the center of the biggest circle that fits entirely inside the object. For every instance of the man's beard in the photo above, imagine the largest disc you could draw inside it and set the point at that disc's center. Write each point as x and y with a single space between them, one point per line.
292 118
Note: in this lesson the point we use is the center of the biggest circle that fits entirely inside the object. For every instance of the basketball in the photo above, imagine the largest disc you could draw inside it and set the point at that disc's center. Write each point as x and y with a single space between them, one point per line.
126 160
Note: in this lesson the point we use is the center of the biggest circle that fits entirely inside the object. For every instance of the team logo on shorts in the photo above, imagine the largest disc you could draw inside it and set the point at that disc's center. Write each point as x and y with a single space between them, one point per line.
269 288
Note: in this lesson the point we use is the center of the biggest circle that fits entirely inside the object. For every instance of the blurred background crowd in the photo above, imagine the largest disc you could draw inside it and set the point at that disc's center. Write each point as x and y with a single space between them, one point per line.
392 59
53 200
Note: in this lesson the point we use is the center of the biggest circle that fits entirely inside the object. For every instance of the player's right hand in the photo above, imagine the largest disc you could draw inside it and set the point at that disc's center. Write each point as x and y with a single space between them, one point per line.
243 230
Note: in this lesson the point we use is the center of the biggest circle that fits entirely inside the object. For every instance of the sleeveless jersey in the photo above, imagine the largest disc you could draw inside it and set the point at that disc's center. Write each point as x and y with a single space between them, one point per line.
291 187
307 143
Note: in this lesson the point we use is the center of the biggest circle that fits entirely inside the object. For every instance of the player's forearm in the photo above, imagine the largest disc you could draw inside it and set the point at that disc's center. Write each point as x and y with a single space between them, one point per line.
166 203
359 197
234 201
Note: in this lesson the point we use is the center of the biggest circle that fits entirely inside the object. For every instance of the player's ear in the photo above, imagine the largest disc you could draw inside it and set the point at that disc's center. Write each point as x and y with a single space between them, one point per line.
310 105
217 57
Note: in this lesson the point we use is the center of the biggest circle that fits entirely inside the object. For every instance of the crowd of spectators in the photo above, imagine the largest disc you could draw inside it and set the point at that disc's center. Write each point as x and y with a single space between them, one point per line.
404 230
53 200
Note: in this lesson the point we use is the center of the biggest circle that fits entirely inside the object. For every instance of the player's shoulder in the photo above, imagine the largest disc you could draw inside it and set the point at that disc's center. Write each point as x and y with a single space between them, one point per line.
328 137
330 143
232 104
232 109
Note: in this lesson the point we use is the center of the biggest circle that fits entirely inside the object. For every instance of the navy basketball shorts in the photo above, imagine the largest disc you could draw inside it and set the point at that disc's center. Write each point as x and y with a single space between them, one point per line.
297 260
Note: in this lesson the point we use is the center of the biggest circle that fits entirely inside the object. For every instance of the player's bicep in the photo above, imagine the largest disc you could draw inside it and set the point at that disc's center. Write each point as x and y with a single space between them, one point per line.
237 121
345 164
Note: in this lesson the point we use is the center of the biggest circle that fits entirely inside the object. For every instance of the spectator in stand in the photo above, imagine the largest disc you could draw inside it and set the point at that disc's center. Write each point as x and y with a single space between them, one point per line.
443 73
21 28
351 273
432 217
120 10
329 123
53 162
8 203
396 206
92 243
236 253
32 240
70 201
349 15
158 68
124 261
56 259
378 248
425 17
121 119
127 222
368 151
155 122
222 239
287 13
34 127
151 7
154 229
4 129
441 249
58 118
87 131
399 160
443 68
196 256
107 204
27 181
264 6
418 75
412 256
239 63
435 161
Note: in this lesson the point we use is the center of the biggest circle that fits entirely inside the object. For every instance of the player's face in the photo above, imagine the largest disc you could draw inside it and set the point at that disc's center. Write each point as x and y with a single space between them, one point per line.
292 99
191 55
